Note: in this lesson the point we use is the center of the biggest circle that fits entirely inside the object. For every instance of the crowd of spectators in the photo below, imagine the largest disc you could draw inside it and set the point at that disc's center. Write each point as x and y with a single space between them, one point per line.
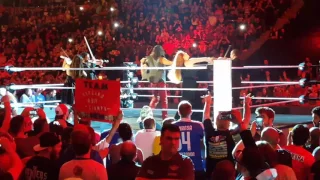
282 91
34 32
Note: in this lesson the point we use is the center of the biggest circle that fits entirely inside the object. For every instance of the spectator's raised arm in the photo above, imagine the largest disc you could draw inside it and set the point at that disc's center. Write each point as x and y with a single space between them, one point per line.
207 107
26 111
41 113
103 145
6 122
16 163
247 110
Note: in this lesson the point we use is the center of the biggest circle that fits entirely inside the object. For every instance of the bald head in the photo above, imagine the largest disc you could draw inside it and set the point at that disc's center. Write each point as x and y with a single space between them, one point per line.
128 150
270 135
316 153
224 170
314 135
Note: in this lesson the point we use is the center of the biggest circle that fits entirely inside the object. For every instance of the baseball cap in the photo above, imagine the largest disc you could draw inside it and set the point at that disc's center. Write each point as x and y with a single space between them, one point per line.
61 109
145 112
47 140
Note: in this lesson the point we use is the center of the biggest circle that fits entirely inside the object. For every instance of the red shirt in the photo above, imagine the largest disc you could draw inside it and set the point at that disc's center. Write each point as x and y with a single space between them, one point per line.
302 161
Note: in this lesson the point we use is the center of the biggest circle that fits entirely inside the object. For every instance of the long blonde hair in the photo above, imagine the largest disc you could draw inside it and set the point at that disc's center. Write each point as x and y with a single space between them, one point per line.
174 74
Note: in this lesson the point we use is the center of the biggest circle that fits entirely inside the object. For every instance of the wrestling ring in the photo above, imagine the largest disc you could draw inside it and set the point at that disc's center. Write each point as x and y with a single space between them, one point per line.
221 87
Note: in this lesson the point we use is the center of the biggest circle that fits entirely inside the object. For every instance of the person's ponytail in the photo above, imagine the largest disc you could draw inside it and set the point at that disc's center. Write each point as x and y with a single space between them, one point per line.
174 74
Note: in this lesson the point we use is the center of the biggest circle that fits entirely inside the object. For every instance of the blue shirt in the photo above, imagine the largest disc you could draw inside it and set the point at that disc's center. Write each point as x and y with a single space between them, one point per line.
40 98
115 139
192 132
26 99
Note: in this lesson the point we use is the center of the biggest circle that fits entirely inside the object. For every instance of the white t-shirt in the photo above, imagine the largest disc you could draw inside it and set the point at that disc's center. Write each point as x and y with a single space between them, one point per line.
83 169
144 140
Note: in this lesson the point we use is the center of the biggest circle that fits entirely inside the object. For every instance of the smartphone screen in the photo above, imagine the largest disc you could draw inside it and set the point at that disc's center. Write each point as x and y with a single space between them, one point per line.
225 115
259 121
33 112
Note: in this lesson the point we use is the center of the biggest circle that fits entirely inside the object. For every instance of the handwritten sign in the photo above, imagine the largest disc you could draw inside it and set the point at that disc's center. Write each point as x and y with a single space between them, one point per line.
97 100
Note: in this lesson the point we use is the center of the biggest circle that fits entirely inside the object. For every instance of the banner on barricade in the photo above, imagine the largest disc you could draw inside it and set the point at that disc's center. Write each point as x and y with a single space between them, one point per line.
97 100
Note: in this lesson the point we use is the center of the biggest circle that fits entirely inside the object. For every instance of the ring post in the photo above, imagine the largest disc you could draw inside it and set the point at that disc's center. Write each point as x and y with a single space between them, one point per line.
222 89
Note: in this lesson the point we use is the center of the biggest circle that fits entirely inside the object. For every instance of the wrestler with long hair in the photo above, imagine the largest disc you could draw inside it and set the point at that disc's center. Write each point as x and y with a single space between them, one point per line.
67 96
157 78
188 78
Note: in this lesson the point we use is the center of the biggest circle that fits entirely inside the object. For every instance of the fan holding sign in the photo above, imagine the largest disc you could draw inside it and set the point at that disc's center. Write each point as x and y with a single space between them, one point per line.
97 100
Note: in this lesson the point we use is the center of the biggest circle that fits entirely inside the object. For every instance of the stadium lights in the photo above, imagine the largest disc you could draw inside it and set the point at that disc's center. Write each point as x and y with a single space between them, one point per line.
194 45
242 27
116 25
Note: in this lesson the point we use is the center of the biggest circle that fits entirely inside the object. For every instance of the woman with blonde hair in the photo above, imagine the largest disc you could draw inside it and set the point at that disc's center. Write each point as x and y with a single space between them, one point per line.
188 78
67 96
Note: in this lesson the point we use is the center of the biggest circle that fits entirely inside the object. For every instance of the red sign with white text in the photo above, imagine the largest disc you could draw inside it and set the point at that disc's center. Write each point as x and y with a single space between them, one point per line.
97 100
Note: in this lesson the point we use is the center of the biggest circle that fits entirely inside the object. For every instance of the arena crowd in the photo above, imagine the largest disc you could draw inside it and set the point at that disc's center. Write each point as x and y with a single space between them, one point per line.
125 31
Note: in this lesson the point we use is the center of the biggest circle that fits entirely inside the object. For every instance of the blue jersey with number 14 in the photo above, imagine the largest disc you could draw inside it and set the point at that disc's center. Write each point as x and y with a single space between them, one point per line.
192 133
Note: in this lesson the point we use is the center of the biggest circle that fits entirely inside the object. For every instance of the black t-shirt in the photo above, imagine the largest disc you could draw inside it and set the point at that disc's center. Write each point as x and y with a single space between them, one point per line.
40 168
236 73
131 168
219 146
5 176
315 170
178 167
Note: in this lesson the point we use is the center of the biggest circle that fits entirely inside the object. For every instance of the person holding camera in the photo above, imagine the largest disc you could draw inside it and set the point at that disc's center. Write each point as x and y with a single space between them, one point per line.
219 140
265 118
